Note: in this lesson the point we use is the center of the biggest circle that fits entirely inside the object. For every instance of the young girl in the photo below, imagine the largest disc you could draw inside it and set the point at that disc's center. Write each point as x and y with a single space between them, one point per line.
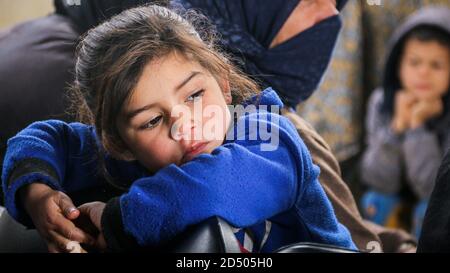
144 65
409 119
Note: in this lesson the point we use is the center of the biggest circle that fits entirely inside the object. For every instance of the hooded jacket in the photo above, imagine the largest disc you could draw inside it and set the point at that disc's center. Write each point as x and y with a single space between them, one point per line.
414 156
37 58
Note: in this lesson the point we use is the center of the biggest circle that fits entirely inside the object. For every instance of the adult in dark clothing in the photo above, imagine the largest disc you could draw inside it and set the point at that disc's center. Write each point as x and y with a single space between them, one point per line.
435 236
36 60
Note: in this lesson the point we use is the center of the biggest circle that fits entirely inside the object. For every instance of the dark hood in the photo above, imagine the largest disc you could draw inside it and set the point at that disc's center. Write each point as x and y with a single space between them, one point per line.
247 27
437 16
90 13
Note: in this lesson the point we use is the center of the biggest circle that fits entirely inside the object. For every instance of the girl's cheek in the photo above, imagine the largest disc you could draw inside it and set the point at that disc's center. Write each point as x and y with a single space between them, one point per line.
154 145
146 145
159 155
164 150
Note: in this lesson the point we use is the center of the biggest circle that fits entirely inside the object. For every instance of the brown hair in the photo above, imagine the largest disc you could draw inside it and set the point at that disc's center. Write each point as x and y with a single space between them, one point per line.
111 58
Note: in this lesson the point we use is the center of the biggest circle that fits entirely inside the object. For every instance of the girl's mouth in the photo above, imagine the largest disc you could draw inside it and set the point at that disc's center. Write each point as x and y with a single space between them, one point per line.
423 87
195 149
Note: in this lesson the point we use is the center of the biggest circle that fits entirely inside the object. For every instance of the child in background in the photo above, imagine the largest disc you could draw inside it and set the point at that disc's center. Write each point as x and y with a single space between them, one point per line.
142 65
408 121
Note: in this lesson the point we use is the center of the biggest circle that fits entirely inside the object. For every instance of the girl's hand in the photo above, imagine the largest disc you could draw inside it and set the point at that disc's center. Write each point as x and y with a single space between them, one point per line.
52 213
93 212
404 102
425 110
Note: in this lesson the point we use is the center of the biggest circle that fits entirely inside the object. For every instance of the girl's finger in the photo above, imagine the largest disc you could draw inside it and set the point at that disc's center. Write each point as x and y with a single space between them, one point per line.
67 207
68 230
52 248
59 244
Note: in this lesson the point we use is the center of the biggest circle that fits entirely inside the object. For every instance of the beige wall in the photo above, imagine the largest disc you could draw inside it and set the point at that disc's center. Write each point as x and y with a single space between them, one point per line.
14 11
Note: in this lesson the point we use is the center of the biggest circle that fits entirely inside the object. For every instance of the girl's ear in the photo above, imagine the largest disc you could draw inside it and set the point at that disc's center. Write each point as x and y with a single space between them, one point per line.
226 90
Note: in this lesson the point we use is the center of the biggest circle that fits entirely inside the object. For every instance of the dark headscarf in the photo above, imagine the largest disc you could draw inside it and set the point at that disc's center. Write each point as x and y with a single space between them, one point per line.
294 68
89 13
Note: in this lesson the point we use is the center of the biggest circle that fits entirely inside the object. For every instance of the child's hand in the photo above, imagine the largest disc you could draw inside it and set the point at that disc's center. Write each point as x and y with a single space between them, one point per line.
425 110
94 211
53 212
404 102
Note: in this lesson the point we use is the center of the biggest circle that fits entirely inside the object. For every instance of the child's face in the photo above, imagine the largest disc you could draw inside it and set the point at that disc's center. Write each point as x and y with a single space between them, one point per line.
425 69
155 134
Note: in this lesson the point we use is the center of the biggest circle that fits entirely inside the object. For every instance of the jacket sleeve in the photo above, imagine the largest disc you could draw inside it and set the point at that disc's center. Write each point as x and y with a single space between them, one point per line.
423 156
63 156
237 182
381 164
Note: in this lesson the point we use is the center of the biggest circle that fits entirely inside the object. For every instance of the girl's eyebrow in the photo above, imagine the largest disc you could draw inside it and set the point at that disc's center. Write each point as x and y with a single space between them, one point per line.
134 113
183 83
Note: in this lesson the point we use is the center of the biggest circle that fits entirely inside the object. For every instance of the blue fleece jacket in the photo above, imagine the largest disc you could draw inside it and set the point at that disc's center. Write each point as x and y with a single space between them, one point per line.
272 193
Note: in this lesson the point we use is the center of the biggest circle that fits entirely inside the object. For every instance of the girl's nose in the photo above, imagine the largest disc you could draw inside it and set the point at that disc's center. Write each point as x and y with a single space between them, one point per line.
424 70
184 130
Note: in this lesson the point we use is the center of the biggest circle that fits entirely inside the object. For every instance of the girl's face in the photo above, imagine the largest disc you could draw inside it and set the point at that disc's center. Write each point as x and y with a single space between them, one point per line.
425 69
151 125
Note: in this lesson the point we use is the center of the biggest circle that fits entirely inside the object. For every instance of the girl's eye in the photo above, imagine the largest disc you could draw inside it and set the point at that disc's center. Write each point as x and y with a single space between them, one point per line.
414 62
436 65
152 123
195 96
